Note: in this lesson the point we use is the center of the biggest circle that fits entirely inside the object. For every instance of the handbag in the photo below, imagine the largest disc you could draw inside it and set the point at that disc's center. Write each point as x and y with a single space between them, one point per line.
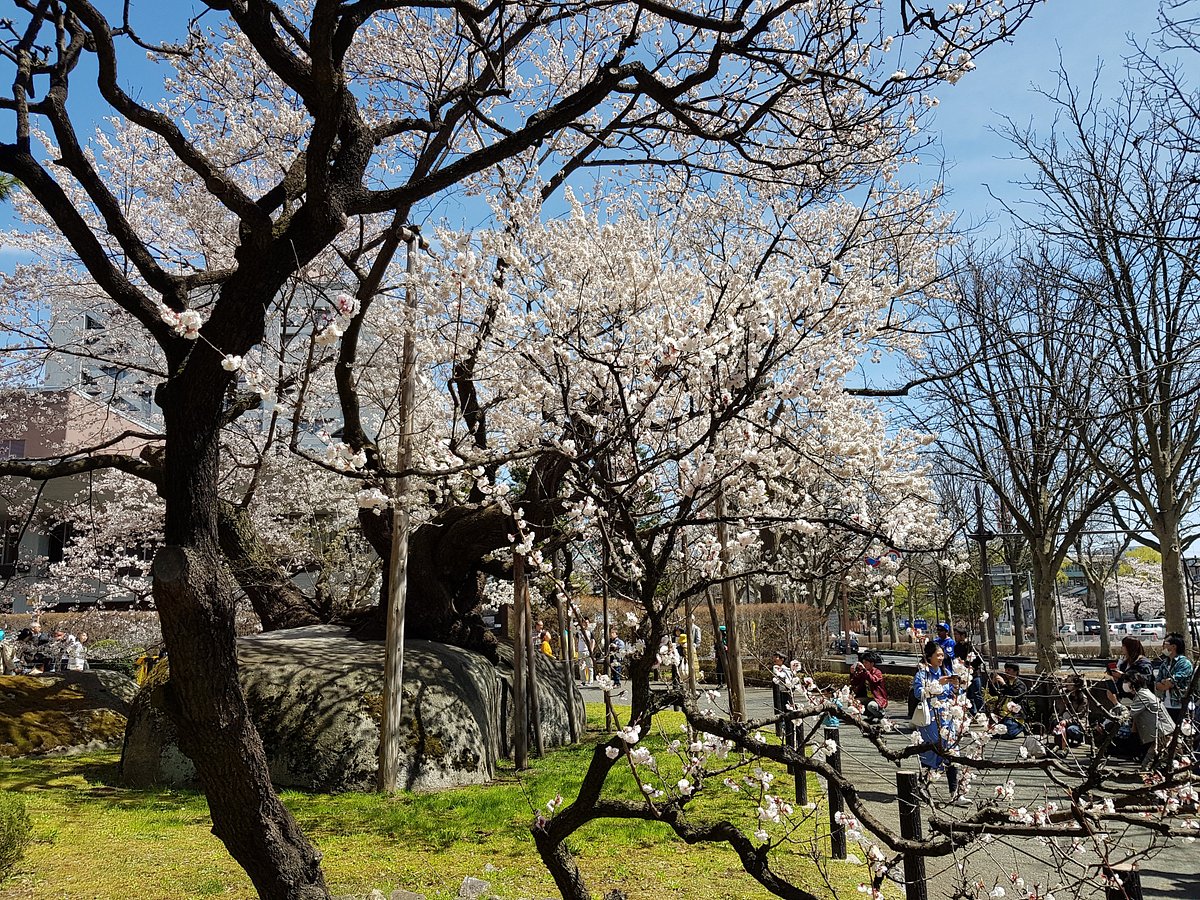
921 716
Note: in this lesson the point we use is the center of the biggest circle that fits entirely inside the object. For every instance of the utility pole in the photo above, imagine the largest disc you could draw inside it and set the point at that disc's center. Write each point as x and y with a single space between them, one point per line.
982 535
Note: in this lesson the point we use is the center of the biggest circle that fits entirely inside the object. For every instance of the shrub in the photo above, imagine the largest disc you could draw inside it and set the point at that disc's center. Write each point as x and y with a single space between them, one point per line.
898 687
15 832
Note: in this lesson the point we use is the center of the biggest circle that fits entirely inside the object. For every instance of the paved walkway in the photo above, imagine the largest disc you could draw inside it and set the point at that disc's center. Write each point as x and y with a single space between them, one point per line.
1173 872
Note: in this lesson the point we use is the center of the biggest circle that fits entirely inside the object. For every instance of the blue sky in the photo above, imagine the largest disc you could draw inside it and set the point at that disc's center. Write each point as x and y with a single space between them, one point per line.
1086 33
969 157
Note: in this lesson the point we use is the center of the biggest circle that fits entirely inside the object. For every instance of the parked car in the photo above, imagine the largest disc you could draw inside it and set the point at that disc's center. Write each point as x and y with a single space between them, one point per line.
838 643
1153 631
1091 626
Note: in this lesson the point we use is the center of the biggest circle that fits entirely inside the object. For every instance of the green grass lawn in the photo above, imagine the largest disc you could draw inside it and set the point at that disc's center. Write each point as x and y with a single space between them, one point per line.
95 839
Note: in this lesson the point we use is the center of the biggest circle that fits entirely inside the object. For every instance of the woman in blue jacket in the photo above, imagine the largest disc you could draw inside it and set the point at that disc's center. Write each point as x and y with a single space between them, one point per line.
937 687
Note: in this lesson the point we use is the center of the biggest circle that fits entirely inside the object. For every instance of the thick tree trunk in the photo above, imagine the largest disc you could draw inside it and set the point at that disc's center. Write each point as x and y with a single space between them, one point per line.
1174 589
272 593
444 595
446 559
205 700
1102 616
1044 619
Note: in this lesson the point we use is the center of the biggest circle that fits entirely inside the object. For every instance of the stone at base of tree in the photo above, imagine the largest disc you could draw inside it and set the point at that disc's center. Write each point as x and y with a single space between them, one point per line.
472 888
401 894
316 697
65 713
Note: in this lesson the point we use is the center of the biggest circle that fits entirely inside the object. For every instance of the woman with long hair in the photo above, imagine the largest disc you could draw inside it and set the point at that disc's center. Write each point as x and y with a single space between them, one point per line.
937 688
1133 661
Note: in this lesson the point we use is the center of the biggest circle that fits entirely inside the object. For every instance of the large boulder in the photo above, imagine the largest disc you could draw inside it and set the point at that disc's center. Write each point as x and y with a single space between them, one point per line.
71 711
316 695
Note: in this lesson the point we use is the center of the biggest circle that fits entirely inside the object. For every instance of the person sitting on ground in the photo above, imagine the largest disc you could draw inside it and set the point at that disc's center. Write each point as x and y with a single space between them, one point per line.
866 685
1071 707
1149 724
1133 659
1173 677
1011 693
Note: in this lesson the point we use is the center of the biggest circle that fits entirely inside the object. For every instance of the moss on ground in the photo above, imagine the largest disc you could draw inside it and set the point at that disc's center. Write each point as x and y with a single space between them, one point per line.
94 839
38 714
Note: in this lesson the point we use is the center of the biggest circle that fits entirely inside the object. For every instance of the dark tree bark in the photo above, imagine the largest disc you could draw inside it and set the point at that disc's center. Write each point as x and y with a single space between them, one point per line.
204 697
446 561
276 599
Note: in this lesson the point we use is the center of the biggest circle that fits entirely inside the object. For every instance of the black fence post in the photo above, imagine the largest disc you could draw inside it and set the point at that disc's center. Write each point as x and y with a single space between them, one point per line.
1124 883
794 737
837 827
910 827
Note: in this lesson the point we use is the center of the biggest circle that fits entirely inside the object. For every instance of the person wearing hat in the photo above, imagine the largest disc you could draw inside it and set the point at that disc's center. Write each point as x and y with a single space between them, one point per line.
946 643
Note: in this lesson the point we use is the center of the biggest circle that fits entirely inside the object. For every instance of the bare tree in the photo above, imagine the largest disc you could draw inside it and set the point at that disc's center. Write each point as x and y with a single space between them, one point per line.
1003 348
1119 197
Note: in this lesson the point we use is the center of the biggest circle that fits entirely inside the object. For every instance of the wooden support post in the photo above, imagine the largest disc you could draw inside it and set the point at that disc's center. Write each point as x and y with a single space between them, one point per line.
915 887
568 666
531 647
520 714
1124 882
837 827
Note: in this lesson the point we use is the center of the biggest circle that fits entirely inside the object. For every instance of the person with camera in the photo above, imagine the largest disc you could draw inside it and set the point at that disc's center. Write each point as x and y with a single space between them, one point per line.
1173 677
866 686
936 688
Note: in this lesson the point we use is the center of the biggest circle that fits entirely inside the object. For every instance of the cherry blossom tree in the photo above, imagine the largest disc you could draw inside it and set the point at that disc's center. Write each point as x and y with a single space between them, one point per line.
291 126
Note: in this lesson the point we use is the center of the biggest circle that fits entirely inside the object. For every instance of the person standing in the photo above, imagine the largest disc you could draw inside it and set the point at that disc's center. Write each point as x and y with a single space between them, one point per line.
965 652
616 653
583 648
936 688
1173 677
946 643
779 697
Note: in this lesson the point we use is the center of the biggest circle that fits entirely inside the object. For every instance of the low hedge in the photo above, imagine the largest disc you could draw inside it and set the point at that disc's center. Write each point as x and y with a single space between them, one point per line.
898 687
